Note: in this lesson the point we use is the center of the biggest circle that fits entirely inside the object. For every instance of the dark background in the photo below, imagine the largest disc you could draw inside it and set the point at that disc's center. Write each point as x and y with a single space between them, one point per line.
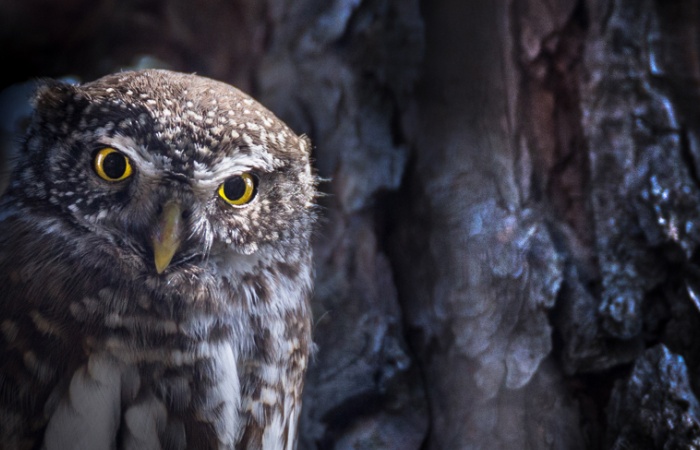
509 252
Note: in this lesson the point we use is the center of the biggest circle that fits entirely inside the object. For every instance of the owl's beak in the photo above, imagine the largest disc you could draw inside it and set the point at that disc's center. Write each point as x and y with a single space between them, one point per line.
167 235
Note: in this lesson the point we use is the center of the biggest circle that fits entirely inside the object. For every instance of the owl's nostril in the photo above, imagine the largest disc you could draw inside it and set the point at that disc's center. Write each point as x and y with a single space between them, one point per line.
185 214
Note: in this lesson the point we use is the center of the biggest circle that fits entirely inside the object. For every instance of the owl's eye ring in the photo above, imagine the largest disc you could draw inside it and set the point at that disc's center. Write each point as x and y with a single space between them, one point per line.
238 190
111 165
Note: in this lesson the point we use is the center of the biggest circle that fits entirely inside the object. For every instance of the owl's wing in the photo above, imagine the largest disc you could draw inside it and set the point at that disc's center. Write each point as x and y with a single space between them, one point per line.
271 412
272 381
36 344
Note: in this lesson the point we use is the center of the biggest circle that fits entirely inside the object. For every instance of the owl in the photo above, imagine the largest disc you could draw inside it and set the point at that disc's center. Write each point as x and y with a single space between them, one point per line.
155 269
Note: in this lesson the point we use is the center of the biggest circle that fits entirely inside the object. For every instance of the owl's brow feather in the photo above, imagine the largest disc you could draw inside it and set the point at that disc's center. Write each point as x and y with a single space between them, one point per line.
235 163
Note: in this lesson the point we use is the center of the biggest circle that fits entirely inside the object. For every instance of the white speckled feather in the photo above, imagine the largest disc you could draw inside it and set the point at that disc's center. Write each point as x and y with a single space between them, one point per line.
88 418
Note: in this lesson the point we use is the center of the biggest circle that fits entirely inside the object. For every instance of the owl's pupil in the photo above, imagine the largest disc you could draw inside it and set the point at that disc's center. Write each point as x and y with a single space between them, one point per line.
234 187
114 165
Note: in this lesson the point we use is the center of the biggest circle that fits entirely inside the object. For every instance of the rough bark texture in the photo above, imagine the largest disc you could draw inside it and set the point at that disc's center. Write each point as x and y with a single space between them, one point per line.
508 256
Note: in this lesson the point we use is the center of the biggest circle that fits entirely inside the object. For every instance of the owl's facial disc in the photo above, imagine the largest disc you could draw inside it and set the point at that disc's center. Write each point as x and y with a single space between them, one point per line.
167 235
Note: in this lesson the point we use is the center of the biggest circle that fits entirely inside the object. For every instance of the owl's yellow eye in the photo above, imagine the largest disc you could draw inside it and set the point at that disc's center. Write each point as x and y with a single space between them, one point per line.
112 165
238 190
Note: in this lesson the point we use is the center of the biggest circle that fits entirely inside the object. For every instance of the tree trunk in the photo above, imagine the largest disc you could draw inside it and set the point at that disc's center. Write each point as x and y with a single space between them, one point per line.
508 253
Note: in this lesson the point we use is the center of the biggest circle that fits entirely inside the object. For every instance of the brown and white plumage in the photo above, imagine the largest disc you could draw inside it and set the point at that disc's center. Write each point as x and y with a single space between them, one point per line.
145 308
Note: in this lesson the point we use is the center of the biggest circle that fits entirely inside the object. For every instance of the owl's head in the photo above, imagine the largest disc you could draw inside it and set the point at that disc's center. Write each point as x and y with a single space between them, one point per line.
156 171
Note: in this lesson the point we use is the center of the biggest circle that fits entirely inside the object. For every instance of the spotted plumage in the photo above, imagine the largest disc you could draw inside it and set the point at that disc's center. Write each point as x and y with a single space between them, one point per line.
155 269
